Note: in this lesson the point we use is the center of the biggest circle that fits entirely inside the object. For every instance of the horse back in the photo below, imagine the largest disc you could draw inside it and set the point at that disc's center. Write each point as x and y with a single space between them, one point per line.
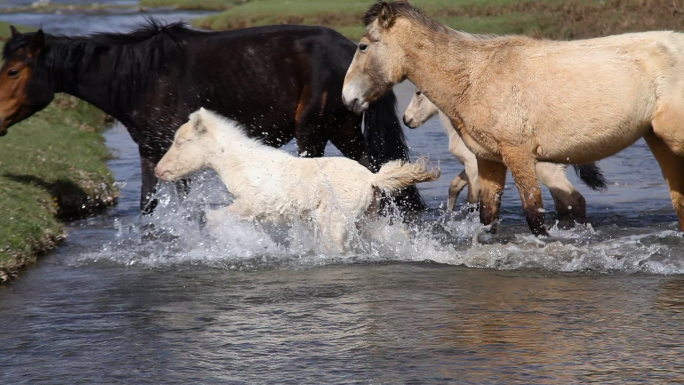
256 76
250 71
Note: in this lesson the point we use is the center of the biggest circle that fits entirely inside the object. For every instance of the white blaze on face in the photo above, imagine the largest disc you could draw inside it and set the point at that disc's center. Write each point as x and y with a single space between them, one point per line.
352 95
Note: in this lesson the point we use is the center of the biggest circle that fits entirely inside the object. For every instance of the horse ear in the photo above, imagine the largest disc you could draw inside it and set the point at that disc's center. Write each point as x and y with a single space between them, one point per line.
37 43
15 33
198 124
386 16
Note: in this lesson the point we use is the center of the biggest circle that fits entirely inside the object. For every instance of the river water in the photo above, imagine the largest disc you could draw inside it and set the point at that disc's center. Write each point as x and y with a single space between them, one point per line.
159 300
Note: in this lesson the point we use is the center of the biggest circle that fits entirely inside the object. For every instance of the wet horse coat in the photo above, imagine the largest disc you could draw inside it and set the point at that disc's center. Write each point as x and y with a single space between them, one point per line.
281 82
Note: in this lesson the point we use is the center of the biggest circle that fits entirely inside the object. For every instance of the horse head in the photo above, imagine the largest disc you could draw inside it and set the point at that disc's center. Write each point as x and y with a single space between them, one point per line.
190 150
24 86
419 110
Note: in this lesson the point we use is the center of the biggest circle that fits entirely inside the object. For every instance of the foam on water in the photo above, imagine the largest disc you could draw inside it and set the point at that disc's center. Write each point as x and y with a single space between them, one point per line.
175 235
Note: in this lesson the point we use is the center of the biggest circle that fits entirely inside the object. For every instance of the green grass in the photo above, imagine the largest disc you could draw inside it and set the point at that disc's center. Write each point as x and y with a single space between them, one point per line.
52 167
492 16
192 4
556 19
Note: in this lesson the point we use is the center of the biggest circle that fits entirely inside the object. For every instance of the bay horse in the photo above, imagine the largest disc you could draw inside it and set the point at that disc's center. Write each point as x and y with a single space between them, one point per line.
568 201
271 185
518 100
282 82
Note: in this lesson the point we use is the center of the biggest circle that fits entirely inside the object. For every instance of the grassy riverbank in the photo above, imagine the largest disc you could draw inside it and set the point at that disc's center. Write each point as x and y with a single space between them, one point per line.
52 168
557 19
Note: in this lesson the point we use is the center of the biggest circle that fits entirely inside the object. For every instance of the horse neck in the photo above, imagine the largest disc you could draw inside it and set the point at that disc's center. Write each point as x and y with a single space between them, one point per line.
89 78
438 63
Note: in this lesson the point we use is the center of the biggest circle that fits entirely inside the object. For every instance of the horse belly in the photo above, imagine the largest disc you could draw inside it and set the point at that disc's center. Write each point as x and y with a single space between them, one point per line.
591 139
600 114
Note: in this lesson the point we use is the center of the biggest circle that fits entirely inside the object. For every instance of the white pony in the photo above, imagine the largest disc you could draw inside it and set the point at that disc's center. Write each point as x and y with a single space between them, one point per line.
568 201
271 185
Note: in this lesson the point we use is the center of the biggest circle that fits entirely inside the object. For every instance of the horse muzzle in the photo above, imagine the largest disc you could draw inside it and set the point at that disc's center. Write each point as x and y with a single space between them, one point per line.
353 103
410 123
357 106
163 174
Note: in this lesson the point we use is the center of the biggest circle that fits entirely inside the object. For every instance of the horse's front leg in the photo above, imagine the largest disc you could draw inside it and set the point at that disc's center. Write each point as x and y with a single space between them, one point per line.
492 177
348 138
457 184
459 149
149 183
235 208
183 188
523 167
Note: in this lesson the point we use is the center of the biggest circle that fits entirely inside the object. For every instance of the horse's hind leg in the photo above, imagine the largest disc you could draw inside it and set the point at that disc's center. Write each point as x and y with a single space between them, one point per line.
332 230
569 202
523 168
672 166
492 179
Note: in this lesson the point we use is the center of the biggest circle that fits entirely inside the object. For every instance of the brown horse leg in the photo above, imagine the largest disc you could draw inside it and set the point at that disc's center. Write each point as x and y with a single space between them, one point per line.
311 141
672 166
312 126
492 179
523 168
348 138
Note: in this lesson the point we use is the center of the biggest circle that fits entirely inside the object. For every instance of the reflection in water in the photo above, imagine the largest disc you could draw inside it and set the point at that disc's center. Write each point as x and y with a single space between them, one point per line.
385 323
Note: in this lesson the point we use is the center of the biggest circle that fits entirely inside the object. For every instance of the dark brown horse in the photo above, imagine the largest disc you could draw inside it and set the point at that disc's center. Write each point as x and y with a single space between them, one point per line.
282 82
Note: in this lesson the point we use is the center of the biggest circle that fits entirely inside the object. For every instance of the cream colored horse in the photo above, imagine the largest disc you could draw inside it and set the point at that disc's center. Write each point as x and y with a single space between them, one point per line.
518 100
568 201
272 185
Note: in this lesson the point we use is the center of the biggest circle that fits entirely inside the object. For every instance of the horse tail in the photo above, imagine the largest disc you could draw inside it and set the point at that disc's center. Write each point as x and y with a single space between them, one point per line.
398 174
592 176
385 142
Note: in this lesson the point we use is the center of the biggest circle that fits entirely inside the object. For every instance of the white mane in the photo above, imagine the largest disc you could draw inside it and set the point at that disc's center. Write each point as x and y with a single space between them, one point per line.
228 130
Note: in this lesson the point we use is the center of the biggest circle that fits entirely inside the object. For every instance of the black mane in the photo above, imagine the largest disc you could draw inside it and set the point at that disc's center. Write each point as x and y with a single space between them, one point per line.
138 56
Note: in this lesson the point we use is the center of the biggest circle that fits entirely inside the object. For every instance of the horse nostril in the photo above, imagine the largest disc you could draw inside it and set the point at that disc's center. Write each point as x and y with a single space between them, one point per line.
409 123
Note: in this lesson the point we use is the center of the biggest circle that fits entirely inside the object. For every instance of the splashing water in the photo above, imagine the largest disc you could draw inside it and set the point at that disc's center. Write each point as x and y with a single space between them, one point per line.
175 234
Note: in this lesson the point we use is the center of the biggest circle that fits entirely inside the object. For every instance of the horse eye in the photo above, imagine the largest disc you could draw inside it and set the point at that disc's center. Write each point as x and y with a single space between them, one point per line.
363 47
12 73
417 92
